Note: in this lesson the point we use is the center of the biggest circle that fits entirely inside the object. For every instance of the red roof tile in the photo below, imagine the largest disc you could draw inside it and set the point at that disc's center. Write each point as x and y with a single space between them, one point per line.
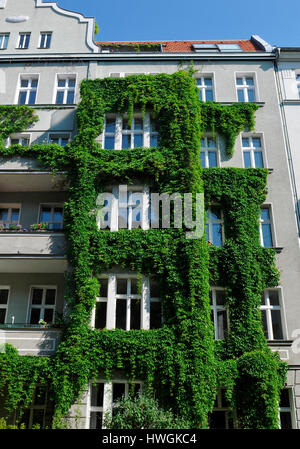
185 46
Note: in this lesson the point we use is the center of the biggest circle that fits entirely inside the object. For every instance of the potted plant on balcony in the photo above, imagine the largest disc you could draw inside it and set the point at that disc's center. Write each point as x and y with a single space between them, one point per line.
42 323
39 227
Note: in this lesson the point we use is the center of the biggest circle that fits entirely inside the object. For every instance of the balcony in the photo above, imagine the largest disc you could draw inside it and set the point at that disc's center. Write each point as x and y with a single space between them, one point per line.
40 243
31 339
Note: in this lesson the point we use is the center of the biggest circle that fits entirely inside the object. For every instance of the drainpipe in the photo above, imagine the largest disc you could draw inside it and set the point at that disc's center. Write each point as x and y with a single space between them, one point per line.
287 142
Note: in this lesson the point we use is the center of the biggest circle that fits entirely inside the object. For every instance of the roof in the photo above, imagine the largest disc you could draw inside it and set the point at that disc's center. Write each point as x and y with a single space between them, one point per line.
184 46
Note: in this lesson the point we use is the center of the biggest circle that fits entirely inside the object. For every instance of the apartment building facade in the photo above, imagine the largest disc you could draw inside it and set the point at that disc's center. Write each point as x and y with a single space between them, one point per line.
42 67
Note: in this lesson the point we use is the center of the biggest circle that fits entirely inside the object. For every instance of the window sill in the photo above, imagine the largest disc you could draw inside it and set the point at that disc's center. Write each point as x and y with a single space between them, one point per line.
53 106
280 342
23 326
28 232
295 101
259 103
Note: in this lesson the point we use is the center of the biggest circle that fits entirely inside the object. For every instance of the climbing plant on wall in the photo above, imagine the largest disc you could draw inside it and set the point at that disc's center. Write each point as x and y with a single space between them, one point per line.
181 362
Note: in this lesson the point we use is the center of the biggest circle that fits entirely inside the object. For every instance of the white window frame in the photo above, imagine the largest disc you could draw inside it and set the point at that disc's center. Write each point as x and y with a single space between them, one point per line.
10 206
113 220
271 223
226 410
5 306
52 205
112 296
119 132
125 74
30 78
42 306
209 224
252 148
65 89
5 39
47 34
268 309
60 135
202 87
19 137
206 149
218 308
107 408
245 86
21 35
291 409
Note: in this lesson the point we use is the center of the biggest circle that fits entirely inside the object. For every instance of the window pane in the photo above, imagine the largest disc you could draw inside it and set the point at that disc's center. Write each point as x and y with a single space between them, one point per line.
103 288
32 97
267 235
109 143
222 323
154 289
208 81
202 159
60 97
265 214
211 143
246 142
126 141
247 159
96 420
50 296
155 315
61 82
212 159
256 142
153 140
258 159
38 417
3 296
49 315
264 323
215 213
2 316
274 297
276 323
138 123
285 420
3 214
122 286
24 83
284 398
58 214
72 82
135 314
251 95
70 97
100 316
34 83
110 126
263 299
37 296
22 98
118 391
125 125
220 297
249 81
43 37
217 234
138 140
217 420
241 96
35 316
27 39
209 95
45 214
239 81
97 395
121 307
200 95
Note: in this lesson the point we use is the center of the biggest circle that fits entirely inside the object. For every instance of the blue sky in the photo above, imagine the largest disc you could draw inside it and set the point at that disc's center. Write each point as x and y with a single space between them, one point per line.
276 21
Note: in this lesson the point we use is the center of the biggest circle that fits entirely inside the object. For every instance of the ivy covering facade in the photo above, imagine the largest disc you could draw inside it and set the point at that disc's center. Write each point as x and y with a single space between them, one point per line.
181 361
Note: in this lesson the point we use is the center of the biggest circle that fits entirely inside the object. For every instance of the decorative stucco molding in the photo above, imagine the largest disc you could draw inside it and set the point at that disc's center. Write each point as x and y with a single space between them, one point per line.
17 19
81 18
2 3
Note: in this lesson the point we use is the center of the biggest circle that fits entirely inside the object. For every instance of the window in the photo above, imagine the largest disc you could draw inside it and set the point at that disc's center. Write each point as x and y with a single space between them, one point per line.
214 47
24 39
120 134
218 313
214 226
27 90
205 86
105 395
229 47
4 293
298 84
286 409
9 214
245 88
122 306
42 304
65 90
208 152
127 209
252 152
45 40
53 215
266 237
4 41
39 413
59 139
221 416
271 315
